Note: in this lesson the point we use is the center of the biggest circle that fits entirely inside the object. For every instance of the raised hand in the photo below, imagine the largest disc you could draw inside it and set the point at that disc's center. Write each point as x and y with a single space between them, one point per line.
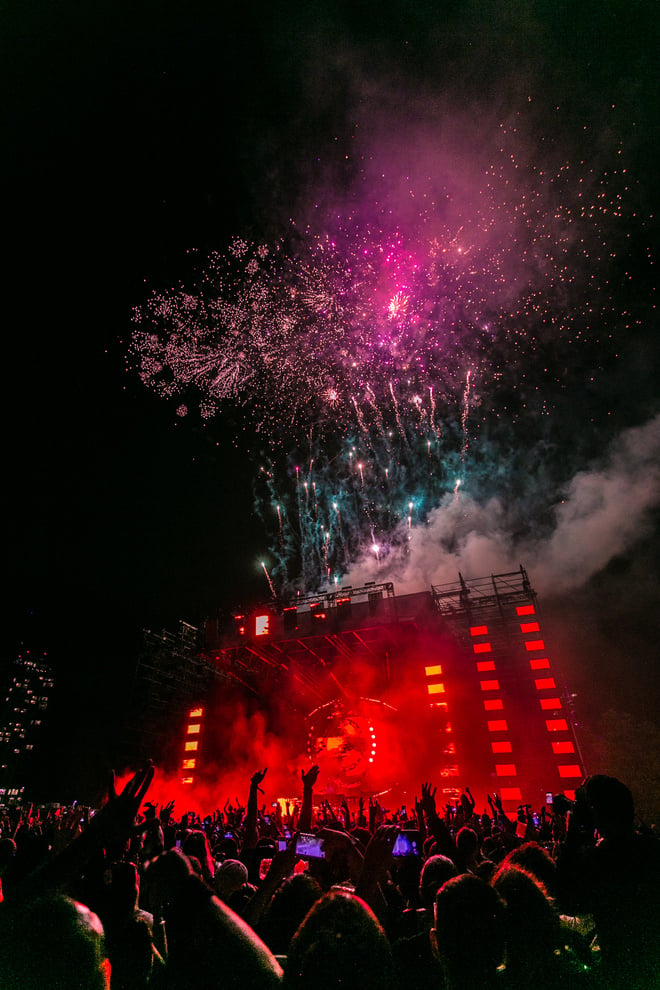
428 801
257 778
310 778
115 820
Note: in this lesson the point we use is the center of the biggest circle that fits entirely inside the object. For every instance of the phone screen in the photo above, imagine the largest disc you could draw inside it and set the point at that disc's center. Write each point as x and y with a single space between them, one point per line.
310 846
406 844
281 844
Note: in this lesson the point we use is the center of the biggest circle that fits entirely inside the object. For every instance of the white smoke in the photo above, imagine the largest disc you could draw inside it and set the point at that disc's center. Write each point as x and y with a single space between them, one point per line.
604 511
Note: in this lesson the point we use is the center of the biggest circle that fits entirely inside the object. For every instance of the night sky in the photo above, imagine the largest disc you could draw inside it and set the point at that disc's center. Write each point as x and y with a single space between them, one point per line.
136 133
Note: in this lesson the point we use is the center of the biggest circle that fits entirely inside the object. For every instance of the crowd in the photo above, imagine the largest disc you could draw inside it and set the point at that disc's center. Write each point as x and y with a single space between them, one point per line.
314 896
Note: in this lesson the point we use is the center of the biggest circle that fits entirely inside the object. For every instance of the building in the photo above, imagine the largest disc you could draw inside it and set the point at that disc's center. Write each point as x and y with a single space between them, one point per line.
454 685
21 722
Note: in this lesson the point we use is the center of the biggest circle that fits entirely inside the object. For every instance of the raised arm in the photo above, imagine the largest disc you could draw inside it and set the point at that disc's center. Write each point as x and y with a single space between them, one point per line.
308 781
251 834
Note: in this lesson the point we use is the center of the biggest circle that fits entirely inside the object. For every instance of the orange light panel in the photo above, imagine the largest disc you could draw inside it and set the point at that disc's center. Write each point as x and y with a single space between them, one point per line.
435 688
506 770
193 730
563 747
570 770
528 627
493 705
545 684
556 725
478 630
541 664
534 644
490 685
191 747
482 648
510 793
188 764
550 704
442 705
501 747
186 780
484 665
432 671
497 725
196 713
525 610
261 625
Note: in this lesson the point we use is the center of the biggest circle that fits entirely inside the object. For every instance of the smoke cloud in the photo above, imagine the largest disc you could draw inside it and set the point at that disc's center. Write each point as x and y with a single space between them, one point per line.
603 512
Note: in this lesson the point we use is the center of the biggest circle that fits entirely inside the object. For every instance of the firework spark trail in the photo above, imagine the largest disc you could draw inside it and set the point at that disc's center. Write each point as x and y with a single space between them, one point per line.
268 578
423 361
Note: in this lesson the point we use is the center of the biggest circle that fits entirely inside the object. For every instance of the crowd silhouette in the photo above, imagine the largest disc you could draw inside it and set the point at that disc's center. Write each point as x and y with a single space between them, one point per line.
136 897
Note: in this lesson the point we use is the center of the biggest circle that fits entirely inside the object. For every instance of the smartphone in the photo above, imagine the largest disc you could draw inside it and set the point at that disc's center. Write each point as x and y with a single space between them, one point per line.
548 797
535 819
406 844
281 844
309 846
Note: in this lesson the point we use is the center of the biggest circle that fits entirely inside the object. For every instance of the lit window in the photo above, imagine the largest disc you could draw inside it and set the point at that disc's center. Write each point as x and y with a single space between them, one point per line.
529 627
570 770
432 671
497 725
556 725
545 683
196 713
563 747
193 730
525 610
506 770
493 705
550 704
478 630
484 665
501 747
261 626
191 747
493 685
534 644
482 648
541 664
188 764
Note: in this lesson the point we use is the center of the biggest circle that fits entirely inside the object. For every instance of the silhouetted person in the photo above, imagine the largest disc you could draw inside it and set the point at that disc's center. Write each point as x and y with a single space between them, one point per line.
608 869
468 936
340 944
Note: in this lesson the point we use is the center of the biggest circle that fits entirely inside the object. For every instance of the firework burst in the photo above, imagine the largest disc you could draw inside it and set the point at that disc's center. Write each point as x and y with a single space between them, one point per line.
398 365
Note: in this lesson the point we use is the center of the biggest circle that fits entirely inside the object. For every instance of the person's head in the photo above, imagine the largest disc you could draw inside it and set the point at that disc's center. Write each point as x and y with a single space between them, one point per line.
52 942
532 923
340 944
436 871
287 909
611 804
231 875
467 843
533 858
468 936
